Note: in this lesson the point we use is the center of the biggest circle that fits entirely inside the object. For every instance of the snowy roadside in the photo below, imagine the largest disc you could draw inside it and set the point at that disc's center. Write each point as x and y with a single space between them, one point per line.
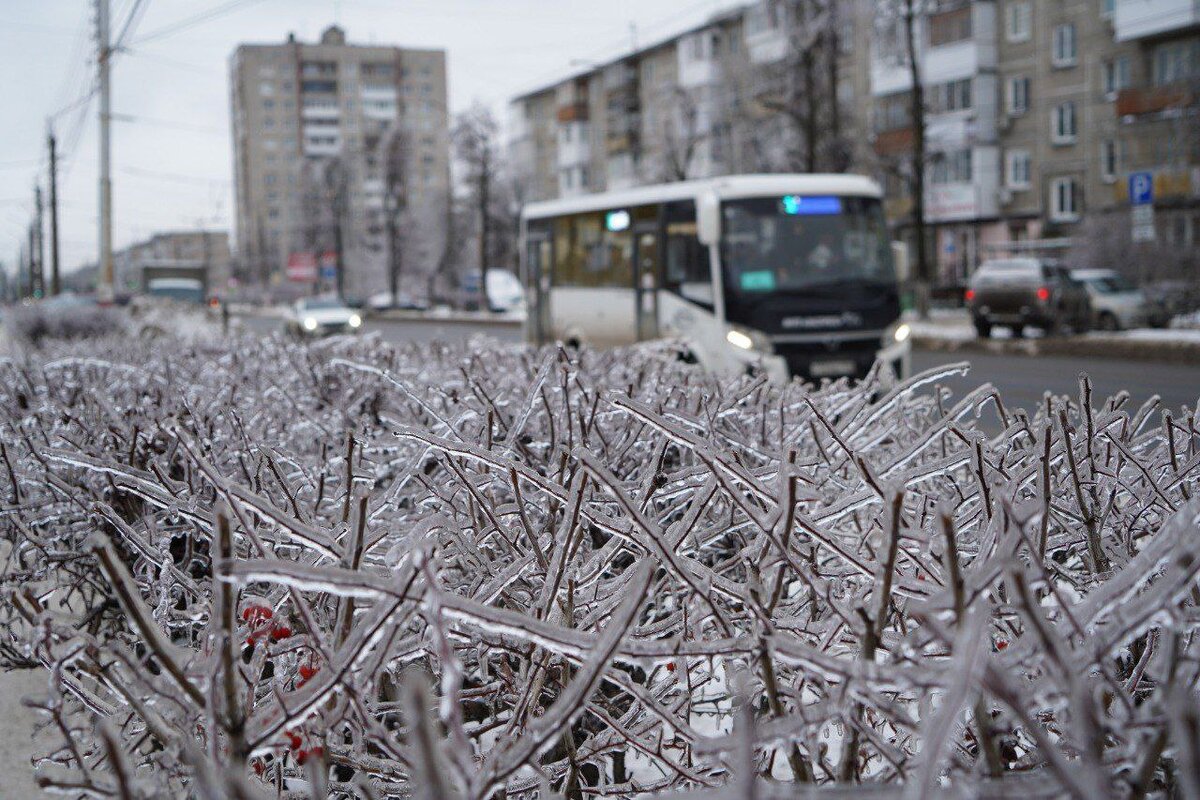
17 744
952 330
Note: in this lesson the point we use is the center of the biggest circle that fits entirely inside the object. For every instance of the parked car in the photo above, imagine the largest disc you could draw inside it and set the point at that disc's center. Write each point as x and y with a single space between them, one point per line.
1170 299
384 301
1116 302
322 316
1025 293
505 292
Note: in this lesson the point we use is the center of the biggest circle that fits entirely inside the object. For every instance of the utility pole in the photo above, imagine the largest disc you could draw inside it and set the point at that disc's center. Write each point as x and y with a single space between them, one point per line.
39 244
31 249
105 290
55 285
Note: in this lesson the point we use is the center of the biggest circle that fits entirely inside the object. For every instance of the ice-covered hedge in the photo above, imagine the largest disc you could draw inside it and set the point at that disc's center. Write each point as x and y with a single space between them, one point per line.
262 569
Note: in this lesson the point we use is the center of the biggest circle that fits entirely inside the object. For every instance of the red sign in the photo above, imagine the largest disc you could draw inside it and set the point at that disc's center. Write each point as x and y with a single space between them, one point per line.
302 267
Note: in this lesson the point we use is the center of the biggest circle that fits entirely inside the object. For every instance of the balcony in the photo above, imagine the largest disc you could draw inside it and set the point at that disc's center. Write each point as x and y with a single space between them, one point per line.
889 144
574 144
950 59
1138 19
572 112
1153 100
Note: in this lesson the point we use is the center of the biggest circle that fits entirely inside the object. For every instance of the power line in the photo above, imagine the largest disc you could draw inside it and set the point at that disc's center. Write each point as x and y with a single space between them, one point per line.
131 22
193 21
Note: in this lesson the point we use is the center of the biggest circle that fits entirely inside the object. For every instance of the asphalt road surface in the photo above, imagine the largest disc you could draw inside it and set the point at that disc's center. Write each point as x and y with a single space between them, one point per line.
1021 379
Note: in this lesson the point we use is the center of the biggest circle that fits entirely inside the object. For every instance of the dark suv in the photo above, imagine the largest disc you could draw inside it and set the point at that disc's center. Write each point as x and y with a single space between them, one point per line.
1027 293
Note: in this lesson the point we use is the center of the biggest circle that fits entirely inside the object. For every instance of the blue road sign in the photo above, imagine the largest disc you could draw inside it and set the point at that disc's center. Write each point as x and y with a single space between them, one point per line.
1141 188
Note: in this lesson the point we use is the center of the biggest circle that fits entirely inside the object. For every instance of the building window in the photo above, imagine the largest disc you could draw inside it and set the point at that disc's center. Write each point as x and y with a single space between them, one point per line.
954 167
1018 166
1110 160
1064 48
952 96
1065 200
1020 17
1018 95
1116 75
266 88
1064 124
950 26
1177 61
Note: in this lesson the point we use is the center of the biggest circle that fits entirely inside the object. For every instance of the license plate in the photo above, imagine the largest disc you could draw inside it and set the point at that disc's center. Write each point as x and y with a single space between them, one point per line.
829 369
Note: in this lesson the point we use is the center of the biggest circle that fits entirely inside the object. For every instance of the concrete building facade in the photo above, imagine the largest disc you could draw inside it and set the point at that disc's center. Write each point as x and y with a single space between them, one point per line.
1037 113
313 124
199 248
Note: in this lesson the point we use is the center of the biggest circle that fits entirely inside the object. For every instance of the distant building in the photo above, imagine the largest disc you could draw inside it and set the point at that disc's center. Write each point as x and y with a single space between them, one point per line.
207 250
1038 111
308 118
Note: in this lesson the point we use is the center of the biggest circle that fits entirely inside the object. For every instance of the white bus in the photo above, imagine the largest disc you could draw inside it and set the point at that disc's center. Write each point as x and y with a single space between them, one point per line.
792 274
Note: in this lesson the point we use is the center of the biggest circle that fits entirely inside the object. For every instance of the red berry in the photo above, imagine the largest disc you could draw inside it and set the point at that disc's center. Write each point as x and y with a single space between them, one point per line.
307 671
670 666
1001 644
280 632
256 613
259 767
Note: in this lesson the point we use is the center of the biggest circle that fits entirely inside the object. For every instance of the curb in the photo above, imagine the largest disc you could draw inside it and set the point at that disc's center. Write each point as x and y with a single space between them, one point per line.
1092 346
456 317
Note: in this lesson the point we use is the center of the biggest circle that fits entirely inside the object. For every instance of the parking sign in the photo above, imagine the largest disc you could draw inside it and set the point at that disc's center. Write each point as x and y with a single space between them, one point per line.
1141 188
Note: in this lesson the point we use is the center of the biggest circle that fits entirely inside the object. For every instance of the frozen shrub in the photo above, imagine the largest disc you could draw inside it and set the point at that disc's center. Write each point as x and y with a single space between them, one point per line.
349 570
34 324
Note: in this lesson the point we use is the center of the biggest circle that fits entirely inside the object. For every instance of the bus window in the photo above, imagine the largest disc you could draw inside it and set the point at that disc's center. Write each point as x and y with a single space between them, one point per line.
687 270
586 254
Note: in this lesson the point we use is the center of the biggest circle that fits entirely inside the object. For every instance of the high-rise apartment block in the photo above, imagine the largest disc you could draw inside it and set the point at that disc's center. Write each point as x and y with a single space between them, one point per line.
1038 112
327 137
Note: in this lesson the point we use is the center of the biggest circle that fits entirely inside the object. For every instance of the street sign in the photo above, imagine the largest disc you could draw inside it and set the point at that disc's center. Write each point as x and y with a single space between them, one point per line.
302 267
328 265
1141 188
1141 201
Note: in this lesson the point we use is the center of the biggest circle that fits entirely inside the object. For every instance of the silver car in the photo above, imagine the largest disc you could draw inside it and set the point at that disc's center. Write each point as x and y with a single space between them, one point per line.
1117 304
319 316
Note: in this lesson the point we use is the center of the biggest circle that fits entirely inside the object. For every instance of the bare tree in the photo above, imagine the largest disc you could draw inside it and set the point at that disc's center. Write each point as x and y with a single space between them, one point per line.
394 155
804 88
905 17
475 134
681 134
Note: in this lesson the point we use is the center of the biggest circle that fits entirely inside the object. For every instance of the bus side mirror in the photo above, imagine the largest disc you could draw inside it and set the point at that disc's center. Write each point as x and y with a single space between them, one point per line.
708 219
900 259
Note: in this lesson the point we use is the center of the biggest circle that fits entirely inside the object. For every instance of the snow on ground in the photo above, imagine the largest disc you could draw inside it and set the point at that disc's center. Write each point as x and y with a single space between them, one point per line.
954 326
17 744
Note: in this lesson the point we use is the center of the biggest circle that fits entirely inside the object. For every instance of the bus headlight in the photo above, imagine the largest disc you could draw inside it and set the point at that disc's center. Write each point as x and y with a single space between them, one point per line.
310 323
748 340
355 320
897 334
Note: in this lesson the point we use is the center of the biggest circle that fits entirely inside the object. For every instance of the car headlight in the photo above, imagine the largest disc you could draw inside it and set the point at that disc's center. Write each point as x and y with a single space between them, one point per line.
310 323
896 334
355 320
744 339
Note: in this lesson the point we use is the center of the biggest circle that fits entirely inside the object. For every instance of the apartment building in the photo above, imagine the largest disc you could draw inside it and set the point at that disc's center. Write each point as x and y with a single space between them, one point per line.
717 98
1154 88
1037 112
313 124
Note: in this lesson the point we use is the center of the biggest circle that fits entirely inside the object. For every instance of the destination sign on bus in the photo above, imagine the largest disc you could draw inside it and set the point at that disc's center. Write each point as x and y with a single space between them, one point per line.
799 205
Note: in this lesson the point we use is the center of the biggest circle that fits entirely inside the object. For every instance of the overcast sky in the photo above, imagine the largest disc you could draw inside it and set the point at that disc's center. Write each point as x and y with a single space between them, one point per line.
172 166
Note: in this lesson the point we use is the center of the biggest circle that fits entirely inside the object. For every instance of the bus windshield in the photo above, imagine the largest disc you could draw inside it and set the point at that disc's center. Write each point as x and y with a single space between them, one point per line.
797 243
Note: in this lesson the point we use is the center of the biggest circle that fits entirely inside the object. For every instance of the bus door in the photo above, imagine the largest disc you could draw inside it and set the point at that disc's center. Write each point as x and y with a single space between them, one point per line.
537 289
646 258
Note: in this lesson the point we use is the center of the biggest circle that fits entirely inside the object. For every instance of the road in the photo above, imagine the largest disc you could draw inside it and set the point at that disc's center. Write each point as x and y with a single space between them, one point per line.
1020 379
